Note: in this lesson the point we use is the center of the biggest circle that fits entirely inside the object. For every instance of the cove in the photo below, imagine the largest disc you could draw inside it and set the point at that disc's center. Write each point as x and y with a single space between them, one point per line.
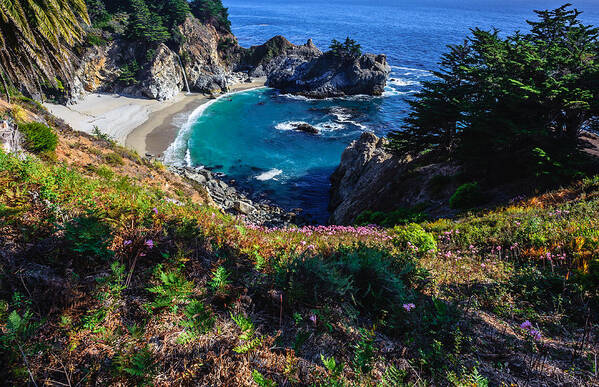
249 137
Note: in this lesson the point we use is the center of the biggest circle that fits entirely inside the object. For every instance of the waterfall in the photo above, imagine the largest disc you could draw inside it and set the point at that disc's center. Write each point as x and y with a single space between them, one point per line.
184 75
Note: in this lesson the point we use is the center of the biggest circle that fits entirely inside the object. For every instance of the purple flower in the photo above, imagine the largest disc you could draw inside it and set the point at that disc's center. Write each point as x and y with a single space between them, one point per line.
526 325
409 307
536 334
313 318
150 243
155 210
127 243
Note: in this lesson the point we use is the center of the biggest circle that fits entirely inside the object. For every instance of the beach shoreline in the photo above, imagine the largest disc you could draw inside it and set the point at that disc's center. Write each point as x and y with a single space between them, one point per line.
144 125
156 134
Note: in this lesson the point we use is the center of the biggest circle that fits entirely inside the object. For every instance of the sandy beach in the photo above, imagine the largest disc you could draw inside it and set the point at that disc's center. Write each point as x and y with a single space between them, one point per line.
145 125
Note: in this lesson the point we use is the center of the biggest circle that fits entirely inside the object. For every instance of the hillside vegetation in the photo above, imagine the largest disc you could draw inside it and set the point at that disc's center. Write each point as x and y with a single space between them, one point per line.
113 272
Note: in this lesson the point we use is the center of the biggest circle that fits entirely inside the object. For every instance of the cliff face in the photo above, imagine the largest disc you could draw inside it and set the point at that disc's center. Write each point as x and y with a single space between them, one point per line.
102 68
371 178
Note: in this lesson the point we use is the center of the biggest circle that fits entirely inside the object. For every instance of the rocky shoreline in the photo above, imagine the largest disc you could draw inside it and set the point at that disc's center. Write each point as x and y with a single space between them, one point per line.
232 201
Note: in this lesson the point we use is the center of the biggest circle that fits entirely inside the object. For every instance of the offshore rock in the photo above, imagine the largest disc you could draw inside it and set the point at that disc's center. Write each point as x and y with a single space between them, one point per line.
305 70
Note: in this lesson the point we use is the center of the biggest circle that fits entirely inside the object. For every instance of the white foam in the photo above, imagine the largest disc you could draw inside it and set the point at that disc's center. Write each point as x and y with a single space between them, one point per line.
289 125
400 82
177 153
269 174
329 126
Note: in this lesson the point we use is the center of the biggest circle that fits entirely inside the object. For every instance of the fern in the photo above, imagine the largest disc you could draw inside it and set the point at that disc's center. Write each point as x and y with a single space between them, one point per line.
139 364
247 334
220 280
172 290
198 320
393 377
261 380
364 353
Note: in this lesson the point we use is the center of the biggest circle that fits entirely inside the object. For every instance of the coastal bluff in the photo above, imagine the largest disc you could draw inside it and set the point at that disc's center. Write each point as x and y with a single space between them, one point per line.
370 177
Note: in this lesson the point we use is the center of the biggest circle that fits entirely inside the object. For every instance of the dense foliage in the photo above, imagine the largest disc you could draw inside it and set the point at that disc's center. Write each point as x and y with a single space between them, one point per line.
349 48
36 38
152 22
212 12
513 106
38 137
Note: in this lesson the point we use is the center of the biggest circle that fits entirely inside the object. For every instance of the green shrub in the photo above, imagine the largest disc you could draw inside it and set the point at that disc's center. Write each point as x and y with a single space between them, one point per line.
389 219
88 237
39 137
113 159
468 195
372 279
414 236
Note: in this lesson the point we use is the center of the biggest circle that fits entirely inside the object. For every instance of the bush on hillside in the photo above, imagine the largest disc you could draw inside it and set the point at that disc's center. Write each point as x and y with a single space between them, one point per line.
413 236
467 196
393 218
39 137
88 238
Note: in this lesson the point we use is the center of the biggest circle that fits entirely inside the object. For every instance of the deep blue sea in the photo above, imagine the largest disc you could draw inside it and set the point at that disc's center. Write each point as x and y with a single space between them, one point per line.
247 135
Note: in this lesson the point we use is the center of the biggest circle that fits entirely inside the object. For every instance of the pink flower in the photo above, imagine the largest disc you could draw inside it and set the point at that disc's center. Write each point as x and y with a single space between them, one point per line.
150 243
409 307
127 243
313 319
155 210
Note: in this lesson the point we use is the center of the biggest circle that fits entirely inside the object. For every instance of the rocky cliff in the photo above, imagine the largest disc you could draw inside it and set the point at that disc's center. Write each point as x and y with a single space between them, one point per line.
113 67
371 178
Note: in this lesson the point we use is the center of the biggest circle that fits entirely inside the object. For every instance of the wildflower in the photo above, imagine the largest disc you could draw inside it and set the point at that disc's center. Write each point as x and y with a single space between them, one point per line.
150 243
127 242
409 307
536 334
313 319
155 210
526 325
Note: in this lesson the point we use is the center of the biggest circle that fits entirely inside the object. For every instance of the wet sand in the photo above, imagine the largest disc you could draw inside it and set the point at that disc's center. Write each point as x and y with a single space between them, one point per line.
156 134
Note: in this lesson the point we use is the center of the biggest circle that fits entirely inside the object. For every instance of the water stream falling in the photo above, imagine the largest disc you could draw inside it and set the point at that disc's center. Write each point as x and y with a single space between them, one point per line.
184 75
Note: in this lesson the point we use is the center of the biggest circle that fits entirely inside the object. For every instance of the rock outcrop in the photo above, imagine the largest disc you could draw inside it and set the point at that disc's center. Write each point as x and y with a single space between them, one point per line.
330 75
305 70
202 56
11 140
370 177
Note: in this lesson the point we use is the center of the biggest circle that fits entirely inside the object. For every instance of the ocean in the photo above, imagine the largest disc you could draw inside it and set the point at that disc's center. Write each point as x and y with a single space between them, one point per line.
247 136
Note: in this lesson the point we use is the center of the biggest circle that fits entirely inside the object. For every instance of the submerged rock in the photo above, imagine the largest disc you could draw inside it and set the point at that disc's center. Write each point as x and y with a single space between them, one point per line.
231 201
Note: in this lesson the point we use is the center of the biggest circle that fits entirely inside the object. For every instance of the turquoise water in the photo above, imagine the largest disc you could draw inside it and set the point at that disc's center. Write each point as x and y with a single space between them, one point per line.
248 137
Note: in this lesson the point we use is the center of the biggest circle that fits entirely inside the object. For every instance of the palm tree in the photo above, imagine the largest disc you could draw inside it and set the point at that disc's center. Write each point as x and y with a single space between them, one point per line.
36 37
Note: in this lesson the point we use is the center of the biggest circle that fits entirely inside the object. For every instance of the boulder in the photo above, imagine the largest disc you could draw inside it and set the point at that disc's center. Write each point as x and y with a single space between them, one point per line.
243 207
164 77
306 128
